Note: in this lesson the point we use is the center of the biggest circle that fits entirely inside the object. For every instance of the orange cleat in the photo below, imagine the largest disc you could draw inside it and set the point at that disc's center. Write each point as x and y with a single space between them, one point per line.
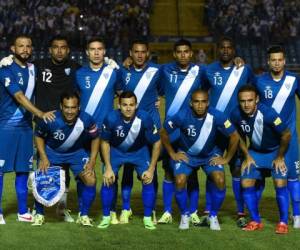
282 228
253 226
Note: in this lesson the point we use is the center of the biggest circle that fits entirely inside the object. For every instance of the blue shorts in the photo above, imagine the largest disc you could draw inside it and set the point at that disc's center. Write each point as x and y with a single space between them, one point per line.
76 160
154 113
16 150
263 164
140 159
195 163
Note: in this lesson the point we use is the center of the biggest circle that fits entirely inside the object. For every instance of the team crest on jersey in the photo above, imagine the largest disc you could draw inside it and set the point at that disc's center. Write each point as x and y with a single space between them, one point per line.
31 72
106 75
148 75
68 71
259 122
7 81
194 72
288 85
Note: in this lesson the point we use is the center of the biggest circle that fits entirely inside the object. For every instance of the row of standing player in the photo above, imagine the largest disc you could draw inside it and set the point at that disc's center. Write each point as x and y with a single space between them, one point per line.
179 77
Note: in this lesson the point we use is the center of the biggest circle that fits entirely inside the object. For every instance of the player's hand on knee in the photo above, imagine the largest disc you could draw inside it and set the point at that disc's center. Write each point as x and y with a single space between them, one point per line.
147 177
43 165
179 156
88 176
218 160
111 63
247 163
108 177
6 61
279 165
48 116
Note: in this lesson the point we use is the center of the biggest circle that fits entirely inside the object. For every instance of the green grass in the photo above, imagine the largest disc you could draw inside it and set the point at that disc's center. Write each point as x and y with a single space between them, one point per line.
59 235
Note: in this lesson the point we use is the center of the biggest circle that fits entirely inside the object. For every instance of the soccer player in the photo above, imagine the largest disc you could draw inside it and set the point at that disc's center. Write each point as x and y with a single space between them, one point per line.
177 81
269 139
56 75
199 125
277 89
223 79
64 141
125 136
141 78
16 109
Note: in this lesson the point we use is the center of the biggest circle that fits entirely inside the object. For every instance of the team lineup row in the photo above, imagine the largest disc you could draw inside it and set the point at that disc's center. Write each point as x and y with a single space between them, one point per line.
198 129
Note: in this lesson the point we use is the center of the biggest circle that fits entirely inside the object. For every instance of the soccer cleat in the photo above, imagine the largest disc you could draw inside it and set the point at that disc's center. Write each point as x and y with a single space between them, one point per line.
33 212
85 221
2 221
253 226
282 228
154 219
194 218
241 222
166 218
105 222
148 223
214 223
27 217
296 220
204 221
65 213
113 218
184 222
125 215
39 220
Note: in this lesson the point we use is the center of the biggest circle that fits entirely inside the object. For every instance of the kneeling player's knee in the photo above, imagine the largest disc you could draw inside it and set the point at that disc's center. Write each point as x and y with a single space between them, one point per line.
180 181
88 178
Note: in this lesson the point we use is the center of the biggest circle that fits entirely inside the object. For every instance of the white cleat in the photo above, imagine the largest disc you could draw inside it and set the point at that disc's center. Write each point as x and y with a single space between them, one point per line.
65 214
27 217
296 220
2 221
214 223
184 222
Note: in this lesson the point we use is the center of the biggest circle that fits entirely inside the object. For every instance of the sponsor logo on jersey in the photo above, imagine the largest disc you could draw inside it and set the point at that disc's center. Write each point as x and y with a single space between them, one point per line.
170 123
277 121
155 130
68 71
227 124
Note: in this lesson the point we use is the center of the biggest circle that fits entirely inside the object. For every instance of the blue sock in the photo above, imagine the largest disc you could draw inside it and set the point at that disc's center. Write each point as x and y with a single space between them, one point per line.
294 190
193 194
127 184
238 194
208 198
88 196
218 196
155 183
181 196
251 203
260 187
22 192
148 196
282 198
80 187
39 208
1 188
115 197
168 191
107 194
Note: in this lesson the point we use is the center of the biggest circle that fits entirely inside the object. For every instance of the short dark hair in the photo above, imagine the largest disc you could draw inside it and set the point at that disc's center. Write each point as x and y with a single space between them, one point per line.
248 88
182 42
140 41
127 94
20 36
68 95
275 49
95 39
199 91
227 39
58 38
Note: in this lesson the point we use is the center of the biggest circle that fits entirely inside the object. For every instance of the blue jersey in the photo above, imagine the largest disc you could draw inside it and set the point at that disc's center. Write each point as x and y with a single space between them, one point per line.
177 85
15 78
263 128
198 135
144 84
64 138
97 90
224 84
129 136
280 95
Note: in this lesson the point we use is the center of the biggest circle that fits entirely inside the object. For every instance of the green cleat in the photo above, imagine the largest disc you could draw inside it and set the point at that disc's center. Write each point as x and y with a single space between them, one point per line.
194 218
105 222
85 221
38 220
113 218
166 218
125 215
148 223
